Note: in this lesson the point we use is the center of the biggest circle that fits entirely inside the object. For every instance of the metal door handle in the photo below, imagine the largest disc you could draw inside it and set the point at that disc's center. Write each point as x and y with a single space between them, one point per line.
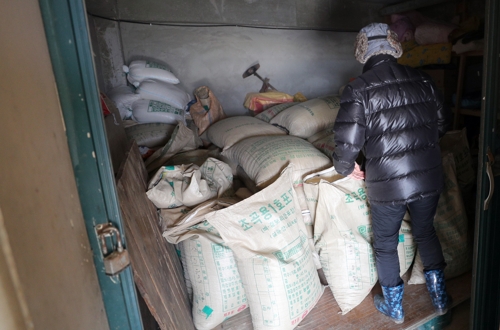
489 171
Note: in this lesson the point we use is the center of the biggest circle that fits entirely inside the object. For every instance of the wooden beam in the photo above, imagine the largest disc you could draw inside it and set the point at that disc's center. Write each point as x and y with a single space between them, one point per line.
408 5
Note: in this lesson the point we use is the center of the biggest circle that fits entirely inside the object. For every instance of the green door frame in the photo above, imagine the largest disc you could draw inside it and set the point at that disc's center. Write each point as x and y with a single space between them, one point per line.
485 312
67 35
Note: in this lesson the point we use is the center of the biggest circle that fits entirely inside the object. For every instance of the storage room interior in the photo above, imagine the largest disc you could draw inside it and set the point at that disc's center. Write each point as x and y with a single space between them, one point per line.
304 50
168 165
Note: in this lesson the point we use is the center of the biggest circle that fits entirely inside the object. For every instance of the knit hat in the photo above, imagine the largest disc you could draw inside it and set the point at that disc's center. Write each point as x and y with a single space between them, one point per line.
375 39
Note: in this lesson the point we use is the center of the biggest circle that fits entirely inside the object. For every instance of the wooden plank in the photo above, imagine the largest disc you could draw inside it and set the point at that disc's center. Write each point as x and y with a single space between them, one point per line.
156 267
326 314
408 5
470 112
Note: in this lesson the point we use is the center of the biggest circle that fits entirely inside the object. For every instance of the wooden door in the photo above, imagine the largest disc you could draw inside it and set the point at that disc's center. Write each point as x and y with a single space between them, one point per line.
67 36
47 276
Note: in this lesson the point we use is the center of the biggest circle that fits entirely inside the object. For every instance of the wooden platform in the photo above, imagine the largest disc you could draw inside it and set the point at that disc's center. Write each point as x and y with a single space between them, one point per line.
159 278
326 314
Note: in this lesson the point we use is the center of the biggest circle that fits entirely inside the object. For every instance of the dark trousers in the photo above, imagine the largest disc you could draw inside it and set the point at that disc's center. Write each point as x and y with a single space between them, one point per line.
386 222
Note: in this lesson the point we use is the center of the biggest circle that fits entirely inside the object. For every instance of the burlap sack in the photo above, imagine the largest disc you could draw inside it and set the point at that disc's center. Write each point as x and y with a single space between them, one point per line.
182 139
150 135
264 157
311 188
202 116
310 117
210 266
151 111
326 145
320 135
269 239
451 228
456 143
163 92
229 131
343 236
273 111
189 185
140 70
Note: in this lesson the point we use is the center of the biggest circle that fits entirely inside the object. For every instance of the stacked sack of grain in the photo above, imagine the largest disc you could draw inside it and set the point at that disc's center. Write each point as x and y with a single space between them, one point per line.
124 96
190 184
343 236
310 117
324 141
252 253
451 226
161 101
262 158
152 105
183 193
268 238
181 140
312 120
210 270
228 131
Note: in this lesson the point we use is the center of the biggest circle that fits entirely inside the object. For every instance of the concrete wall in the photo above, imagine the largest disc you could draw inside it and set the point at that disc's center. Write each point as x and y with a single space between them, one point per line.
302 46
311 52
315 63
339 15
107 52
42 234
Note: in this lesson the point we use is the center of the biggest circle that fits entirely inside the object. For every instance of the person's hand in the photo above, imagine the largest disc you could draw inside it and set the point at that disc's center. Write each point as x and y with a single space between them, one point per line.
357 173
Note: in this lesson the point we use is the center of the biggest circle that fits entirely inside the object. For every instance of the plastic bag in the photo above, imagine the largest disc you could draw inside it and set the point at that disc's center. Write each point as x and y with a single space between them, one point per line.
258 102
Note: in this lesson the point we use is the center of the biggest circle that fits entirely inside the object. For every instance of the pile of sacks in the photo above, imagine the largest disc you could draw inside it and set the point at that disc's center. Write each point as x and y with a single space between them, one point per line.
262 249
252 253
152 105
273 269
153 96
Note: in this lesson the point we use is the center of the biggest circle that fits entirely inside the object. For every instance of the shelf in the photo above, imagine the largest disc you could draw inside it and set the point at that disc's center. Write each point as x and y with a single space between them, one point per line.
461 78
470 112
470 53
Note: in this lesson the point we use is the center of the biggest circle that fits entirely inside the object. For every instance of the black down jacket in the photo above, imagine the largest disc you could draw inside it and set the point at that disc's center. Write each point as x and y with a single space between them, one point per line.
395 115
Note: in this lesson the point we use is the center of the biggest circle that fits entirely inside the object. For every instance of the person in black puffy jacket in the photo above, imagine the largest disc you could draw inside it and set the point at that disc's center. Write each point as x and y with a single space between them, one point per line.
394 114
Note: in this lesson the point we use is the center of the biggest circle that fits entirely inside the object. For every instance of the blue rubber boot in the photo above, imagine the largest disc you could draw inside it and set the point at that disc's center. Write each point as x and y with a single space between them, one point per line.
437 290
391 304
